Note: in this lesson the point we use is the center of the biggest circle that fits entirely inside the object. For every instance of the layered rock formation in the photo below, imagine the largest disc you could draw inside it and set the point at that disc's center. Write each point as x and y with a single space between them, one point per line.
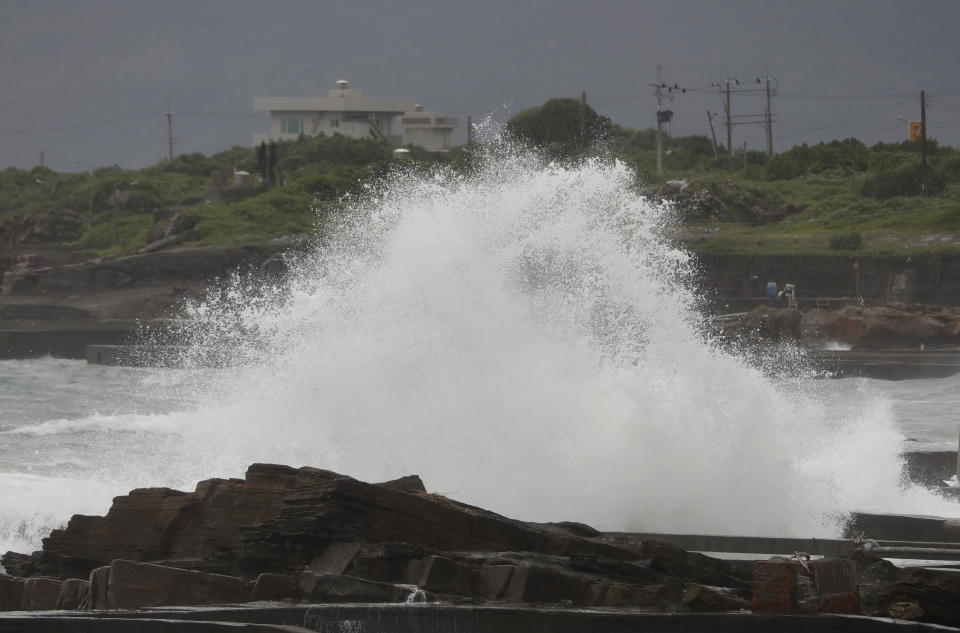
316 536
285 533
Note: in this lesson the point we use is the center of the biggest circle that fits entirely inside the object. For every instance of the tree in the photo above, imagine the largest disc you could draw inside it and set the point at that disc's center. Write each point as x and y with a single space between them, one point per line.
272 164
562 127
262 160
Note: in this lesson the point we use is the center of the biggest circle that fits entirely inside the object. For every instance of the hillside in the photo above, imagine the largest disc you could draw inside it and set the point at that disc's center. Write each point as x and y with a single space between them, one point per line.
833 197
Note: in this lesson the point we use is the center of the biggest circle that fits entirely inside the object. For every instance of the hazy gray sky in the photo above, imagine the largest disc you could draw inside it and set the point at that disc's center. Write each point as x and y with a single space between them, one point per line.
88 80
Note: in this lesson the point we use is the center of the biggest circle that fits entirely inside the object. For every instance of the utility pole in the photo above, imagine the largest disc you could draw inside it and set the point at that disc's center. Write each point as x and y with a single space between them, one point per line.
469 131
769 116
726 85
923 143
659 125
170 128
663 116
713 134
583 118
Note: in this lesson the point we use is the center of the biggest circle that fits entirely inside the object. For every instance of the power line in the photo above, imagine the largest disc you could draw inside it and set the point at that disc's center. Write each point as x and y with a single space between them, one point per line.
835 123
79 126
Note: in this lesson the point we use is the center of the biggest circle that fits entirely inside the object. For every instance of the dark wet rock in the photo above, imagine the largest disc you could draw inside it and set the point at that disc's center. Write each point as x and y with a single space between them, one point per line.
275 267
674 561
40 594
315 535
11 593
21 565
925 595
98 586
410 483
704 599
331 588
275 587
279 519
54 227
577 529
133 585
73 592
180 223
776 324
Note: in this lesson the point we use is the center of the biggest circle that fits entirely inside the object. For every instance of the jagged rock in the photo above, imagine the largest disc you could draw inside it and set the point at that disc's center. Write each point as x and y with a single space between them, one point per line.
11 593
333 507
180 223
491 581
40 594
703 599
49 228
21 565
275 266
577 529
442 575
275 587
329 588
386 562
774 323
279 519
316 535
541 584
97 589
133 585
676 562
925 595
899 330
335 559
410 483
73 592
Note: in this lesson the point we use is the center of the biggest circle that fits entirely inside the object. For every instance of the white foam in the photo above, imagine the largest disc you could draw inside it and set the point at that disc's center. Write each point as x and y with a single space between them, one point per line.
525 340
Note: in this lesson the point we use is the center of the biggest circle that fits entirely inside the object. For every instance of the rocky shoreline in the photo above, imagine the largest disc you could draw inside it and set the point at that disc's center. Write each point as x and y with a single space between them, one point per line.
310 536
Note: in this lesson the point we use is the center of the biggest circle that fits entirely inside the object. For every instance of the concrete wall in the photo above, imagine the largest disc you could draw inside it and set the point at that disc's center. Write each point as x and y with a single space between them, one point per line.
882 279
428 618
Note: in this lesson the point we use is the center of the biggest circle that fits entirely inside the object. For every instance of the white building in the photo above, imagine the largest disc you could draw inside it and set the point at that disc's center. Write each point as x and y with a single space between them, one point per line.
430 130
346 111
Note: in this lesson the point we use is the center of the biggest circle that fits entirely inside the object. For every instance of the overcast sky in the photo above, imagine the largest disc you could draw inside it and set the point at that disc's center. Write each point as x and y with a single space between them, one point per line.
87 81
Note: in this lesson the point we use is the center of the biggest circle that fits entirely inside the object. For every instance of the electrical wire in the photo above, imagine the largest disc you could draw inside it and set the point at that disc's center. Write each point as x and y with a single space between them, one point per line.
835 123
79 126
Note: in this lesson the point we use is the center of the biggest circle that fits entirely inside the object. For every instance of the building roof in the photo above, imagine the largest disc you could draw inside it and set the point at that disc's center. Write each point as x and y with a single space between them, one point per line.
339 99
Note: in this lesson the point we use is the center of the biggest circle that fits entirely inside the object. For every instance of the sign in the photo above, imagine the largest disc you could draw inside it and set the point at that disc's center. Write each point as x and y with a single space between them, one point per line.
915 130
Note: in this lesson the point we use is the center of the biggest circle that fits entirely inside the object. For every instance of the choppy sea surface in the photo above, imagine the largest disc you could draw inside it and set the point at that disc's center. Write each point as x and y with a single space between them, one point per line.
73 435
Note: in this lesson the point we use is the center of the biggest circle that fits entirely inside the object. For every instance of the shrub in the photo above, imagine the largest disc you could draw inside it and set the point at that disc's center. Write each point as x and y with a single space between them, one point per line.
846 242
901 181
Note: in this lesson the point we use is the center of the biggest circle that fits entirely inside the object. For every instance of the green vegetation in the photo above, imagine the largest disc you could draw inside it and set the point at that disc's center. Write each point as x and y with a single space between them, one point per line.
561 127
115 208
841 196
809 199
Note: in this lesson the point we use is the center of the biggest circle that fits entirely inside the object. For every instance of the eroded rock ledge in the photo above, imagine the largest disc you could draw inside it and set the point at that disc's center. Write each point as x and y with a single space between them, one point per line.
311 535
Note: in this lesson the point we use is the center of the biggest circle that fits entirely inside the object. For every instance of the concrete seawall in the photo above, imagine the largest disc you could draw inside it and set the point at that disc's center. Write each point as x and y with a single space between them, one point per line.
63 339
441 618
931 279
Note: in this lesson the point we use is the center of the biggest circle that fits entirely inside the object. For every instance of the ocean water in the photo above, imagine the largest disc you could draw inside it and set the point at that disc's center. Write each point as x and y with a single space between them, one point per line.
521 337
